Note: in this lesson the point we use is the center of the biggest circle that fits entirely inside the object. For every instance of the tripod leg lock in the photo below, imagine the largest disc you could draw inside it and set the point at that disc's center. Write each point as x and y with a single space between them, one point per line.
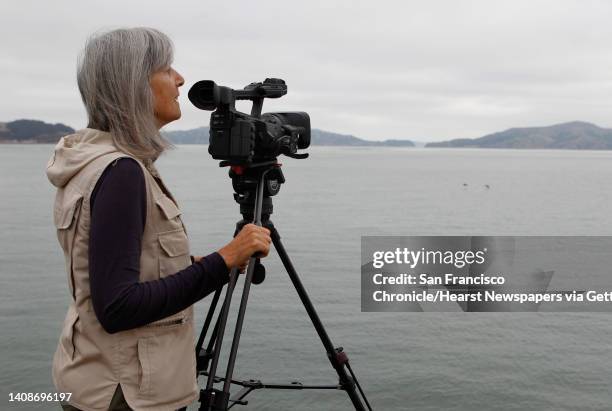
339 358
221 401
348 384
206 398
202 359
214 399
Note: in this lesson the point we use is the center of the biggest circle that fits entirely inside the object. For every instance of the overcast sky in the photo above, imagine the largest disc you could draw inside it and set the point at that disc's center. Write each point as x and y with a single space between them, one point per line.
421 70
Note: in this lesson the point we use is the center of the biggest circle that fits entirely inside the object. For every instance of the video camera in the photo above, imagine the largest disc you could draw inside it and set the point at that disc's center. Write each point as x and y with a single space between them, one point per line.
242 139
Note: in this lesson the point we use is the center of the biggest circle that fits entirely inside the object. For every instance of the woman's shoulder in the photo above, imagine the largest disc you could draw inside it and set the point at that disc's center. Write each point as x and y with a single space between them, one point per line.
127 165
122 177
124 170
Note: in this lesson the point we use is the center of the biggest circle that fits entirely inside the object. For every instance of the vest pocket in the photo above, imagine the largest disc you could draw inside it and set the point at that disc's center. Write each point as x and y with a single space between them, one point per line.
174 253
65 213
167 364
67 337
168 207
174 242
144 359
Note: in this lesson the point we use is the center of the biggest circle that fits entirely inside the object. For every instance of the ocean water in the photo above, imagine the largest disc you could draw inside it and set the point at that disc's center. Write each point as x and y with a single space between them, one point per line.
404 361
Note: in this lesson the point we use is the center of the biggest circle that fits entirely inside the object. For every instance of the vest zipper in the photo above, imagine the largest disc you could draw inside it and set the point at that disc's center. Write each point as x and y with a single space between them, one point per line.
167 323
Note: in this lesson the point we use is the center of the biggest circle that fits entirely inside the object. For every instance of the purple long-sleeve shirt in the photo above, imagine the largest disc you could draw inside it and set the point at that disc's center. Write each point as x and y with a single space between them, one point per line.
118 218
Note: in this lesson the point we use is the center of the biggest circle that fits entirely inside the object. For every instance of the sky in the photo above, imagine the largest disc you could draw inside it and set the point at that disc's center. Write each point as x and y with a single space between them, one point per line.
420 70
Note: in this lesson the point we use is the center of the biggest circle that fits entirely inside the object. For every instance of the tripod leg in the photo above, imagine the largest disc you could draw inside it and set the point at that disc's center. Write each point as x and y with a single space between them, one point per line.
223 321
239 321
207 322
337 358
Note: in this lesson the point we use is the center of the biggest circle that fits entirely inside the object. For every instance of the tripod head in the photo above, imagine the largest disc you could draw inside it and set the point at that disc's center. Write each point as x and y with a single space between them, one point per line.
266 177
245 180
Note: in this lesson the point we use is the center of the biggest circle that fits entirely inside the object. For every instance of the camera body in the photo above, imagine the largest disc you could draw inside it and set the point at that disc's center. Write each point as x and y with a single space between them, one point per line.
242 139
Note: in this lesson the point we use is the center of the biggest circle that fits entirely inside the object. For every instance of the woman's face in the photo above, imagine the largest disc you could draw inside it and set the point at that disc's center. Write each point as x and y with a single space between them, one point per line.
165 87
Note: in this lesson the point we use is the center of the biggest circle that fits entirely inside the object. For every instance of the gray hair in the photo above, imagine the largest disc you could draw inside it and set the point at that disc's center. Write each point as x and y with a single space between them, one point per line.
113 78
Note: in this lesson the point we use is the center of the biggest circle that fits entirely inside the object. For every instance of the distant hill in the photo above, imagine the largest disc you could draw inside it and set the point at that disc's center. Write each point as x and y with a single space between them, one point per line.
194 136
318 138
576 135
326 138
32 131
35 131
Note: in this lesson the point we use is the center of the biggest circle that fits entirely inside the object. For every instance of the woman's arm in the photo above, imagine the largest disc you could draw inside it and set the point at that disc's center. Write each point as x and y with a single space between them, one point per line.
118 217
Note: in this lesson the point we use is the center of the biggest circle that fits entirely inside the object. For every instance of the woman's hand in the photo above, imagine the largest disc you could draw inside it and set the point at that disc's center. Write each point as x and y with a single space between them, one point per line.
250 240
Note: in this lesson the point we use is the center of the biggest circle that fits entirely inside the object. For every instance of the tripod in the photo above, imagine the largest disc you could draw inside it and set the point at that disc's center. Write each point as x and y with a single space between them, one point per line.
254 186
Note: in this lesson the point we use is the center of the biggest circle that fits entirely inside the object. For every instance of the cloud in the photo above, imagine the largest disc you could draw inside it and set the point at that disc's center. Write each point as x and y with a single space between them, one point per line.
407 69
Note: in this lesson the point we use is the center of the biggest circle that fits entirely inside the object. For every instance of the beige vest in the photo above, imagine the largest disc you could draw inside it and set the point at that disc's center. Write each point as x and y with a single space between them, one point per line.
155 364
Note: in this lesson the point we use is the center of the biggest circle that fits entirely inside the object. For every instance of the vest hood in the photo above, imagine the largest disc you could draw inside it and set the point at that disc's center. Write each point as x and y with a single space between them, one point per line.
73 152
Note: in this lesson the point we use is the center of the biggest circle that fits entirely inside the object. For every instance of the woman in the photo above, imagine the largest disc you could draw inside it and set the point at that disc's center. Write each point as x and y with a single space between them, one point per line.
128 339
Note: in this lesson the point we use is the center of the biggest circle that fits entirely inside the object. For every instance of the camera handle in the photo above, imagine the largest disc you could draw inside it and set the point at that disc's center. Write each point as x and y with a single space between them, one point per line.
212 399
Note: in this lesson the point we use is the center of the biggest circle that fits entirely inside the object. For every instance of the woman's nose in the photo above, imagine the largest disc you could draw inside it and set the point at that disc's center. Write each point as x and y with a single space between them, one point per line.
179 79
